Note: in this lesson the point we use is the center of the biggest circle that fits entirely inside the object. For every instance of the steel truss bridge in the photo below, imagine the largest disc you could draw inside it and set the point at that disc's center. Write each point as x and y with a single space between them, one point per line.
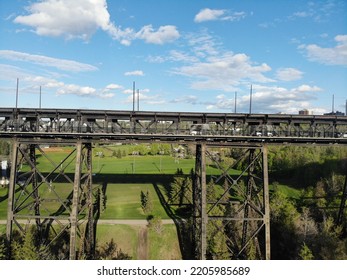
33 197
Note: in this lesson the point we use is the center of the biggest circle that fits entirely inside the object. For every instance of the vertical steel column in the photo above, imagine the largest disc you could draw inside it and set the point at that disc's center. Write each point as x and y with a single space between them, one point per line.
11 191
90 225
34 183
266 202
248 198
75 200
199 196
343 203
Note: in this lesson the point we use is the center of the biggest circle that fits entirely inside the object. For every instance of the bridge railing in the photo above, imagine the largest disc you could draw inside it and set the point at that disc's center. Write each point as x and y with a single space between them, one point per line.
128 122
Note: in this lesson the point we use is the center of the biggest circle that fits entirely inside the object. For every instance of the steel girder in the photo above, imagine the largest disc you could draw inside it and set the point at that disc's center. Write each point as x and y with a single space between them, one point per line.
54 199
110 122
232 211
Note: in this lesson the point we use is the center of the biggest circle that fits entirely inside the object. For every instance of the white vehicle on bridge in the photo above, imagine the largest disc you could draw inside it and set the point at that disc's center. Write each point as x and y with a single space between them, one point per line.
200 129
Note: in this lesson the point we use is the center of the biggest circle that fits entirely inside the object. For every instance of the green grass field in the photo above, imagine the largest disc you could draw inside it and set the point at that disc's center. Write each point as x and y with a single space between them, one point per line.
124 179
162 246
124 202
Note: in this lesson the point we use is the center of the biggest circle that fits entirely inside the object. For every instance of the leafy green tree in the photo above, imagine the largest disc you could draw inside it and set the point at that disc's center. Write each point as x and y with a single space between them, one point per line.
26 250
4 148
146 202
217 248
328 244
3 250
305 253
284 219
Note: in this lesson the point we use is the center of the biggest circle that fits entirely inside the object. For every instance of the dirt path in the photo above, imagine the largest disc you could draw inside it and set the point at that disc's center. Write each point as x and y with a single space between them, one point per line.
142 247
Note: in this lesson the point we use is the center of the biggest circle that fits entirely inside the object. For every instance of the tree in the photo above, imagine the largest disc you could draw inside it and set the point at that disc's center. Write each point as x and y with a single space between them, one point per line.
3 248
146 202
26 249
4 148
110 251
328 244
305 253
284 219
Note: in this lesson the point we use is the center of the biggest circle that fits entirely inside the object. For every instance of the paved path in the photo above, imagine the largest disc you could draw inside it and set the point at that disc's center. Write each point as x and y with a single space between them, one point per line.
104 222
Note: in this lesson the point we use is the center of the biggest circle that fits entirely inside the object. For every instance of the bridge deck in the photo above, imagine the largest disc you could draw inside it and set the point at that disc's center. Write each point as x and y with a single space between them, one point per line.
111 125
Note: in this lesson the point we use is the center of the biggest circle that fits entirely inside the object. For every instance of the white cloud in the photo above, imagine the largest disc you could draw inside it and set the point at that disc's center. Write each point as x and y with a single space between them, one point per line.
164 34
134 73
62 64
71 19
189 99
44 82
76 90
210 67
212 14
271 99
86 91
208 14
331 56
224 72
82 18
11 73
113 87
144 97
307 88
289 74
30 83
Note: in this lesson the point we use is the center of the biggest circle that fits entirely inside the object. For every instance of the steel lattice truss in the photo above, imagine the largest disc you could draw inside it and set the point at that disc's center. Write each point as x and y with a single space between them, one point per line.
230 211
34 199
232 219
215 127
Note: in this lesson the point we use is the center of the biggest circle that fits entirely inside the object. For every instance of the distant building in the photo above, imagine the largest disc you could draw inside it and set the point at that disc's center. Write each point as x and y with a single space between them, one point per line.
304 112
337 113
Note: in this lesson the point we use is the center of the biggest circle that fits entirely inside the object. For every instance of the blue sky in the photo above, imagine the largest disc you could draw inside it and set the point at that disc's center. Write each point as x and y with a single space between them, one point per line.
182 55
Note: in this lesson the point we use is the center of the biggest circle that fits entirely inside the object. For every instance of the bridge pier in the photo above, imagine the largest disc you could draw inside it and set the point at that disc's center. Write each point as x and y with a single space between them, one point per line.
200 218
58 200
342 208
232 210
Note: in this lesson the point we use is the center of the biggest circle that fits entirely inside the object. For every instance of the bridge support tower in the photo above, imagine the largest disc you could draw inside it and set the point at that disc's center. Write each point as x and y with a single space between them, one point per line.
231 209
58 201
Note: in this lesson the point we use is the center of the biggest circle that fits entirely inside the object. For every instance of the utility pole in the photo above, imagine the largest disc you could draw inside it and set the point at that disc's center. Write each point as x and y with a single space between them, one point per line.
250 101
235 102
17 94
40 99
133 96
138 100
333 105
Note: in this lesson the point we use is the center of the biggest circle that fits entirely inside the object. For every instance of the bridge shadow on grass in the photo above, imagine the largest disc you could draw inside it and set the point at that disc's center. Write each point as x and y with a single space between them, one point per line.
162 186
180 214
183 226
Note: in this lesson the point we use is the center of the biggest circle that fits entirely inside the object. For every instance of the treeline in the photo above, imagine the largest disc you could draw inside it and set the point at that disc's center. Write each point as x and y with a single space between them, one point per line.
4 147
307 227
305 165
303 226
28 245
